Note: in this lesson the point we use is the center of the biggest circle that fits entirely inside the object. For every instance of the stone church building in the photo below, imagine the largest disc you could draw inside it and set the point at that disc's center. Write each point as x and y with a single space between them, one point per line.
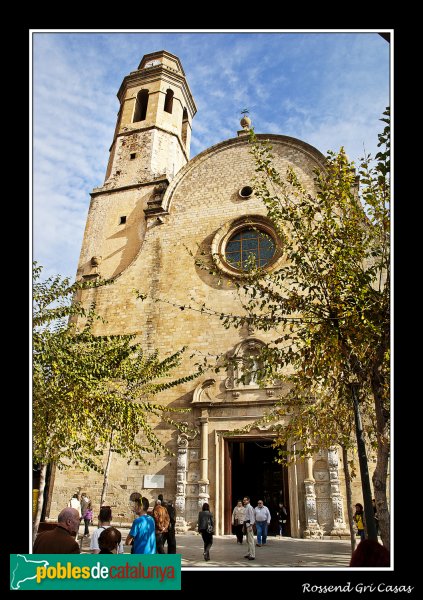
155 213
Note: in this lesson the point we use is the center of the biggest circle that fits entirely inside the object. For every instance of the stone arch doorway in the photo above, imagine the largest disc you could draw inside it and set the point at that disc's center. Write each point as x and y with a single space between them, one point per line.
250 469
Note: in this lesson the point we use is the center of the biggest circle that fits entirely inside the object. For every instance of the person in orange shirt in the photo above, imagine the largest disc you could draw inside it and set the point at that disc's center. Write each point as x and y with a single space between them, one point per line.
162 520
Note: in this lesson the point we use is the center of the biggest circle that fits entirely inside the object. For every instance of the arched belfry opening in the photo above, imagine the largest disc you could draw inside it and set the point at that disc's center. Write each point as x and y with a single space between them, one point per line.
168 105
141 104
184 126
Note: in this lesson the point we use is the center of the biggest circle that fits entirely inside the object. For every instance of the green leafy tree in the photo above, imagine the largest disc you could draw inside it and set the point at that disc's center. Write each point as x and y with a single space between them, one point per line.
310 418
329 296
92 392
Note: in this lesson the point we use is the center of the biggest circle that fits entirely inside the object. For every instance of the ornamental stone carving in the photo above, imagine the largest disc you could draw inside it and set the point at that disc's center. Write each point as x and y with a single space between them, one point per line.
244 364
312 529
202 392
94 268
181 480
311 510
339 525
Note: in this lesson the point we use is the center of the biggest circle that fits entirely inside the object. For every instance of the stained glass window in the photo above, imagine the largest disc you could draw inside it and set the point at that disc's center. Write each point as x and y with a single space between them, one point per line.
249 242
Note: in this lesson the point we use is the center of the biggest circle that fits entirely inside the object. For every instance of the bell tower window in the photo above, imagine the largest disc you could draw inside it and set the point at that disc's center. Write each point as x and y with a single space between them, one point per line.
168 105
141 106
184 125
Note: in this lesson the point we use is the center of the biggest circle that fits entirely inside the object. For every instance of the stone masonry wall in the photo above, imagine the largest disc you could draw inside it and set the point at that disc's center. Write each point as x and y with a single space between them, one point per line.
152 257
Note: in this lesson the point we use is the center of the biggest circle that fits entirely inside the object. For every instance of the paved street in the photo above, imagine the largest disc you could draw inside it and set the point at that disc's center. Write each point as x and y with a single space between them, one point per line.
278 552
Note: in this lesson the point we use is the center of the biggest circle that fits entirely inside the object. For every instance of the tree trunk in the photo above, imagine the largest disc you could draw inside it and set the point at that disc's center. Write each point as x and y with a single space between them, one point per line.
40 503
349 498
379 485
369 520
106 474
380 474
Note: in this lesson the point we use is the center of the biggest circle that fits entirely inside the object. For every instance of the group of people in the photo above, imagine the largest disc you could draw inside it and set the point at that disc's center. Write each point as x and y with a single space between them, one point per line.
84 508
149 532
244 516
262 521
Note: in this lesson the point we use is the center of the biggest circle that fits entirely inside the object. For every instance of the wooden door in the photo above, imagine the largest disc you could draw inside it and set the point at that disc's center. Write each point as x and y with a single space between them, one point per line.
227 490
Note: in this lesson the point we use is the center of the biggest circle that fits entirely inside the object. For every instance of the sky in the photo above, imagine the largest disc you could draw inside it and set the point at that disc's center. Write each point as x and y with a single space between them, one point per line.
326 88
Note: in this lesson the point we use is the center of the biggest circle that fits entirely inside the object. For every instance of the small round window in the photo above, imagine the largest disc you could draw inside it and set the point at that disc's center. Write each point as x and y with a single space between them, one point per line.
248 248
246 191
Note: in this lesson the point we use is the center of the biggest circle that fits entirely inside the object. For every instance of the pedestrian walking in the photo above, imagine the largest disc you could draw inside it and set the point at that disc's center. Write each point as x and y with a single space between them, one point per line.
75 503
249 519
282 515
84 501
206 528
88 515
238 521
262 516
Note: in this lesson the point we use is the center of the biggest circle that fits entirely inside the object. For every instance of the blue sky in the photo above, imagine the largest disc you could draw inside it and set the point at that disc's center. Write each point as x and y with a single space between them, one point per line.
328 89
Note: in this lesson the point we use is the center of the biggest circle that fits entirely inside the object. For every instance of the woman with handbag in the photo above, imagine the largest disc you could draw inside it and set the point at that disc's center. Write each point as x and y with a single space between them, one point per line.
206 528
238 521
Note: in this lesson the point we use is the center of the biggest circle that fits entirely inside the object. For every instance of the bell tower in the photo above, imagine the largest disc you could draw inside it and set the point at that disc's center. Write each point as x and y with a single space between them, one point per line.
151 143
153 129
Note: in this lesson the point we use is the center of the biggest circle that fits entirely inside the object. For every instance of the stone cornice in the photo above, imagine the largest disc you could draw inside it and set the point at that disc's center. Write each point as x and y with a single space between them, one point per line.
234 403
106 190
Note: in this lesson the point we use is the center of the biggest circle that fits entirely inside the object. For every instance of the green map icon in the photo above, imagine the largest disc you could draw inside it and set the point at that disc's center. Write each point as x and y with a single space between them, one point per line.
24 570
95 572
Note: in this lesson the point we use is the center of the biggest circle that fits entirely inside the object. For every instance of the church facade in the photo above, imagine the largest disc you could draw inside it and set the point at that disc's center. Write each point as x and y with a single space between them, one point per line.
147 227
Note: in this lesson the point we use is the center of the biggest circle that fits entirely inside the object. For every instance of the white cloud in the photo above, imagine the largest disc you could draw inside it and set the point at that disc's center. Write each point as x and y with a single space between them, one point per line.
327 89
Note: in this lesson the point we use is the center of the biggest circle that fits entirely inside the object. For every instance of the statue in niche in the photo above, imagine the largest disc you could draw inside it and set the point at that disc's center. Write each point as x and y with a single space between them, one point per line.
244 365
251 366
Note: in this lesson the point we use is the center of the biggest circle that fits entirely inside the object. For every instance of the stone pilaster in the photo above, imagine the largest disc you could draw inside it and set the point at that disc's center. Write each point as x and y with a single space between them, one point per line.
339 525
313 529
203 482
181 483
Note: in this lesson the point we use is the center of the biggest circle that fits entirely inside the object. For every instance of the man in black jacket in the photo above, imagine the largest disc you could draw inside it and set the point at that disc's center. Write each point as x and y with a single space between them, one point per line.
169 536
